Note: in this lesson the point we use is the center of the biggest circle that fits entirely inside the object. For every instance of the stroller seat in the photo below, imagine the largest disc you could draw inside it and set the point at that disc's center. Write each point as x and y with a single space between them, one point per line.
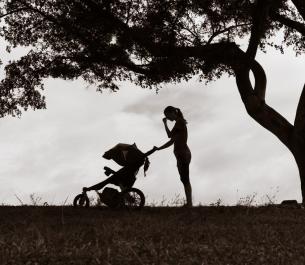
130 158
125 177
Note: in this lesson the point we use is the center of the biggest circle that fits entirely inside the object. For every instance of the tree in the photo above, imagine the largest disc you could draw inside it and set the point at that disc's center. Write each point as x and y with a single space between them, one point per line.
152 42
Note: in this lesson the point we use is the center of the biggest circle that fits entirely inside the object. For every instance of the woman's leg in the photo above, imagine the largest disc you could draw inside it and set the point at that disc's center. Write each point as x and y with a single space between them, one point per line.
184 172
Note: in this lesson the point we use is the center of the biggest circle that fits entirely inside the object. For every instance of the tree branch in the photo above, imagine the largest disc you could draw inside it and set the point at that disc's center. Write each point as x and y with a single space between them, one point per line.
259 19
300 5
299 125
260 80
258 110
288 22
13 12
216 33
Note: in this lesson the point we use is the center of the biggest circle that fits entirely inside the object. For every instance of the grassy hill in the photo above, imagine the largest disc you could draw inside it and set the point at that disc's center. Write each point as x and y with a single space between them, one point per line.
164 235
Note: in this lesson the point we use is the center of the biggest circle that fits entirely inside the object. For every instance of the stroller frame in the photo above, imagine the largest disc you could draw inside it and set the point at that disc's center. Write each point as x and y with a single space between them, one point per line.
125 178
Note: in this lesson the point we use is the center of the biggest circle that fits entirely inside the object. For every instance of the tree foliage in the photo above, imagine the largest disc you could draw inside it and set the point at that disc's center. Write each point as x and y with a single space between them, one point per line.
146 42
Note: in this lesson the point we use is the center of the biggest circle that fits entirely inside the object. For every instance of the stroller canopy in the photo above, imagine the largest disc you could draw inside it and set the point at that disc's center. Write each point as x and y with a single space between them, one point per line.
125 154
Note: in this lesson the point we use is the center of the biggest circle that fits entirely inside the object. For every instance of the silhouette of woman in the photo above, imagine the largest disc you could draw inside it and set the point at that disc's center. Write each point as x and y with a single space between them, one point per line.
178 136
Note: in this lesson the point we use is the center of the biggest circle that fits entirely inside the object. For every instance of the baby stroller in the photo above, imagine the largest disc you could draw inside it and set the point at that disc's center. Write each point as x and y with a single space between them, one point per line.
131 159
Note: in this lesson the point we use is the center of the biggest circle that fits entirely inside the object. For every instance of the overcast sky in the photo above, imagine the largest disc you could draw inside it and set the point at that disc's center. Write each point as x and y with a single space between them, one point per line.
55 152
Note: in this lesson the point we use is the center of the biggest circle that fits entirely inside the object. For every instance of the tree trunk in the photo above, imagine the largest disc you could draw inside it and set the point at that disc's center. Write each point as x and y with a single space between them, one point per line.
298 143
254 101
299 155
292 136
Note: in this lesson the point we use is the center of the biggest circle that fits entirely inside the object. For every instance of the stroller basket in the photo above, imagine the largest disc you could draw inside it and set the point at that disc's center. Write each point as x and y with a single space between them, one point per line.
110 197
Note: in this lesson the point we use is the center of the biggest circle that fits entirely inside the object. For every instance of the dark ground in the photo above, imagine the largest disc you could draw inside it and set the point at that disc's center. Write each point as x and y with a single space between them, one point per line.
202 235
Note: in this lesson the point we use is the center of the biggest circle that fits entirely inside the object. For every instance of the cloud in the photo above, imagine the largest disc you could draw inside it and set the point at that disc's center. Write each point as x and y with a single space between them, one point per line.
192 98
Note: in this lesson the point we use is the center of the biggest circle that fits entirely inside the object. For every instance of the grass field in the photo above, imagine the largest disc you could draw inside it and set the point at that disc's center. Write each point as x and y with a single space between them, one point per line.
164 235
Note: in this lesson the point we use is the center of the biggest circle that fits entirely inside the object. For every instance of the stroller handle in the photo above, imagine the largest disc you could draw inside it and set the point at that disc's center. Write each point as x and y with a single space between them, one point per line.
150 151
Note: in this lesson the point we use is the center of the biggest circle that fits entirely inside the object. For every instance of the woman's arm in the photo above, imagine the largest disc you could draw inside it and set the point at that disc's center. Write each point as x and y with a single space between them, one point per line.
168 144
168 132
151 151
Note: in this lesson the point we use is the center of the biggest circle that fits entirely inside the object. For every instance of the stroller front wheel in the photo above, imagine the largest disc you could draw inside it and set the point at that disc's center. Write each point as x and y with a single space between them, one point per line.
81 200
132 198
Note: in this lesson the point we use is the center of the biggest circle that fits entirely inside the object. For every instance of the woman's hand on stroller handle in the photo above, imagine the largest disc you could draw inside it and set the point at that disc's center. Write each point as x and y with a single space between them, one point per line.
155 148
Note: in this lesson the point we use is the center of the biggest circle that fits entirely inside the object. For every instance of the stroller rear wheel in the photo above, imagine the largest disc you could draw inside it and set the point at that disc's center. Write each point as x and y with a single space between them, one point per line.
81 200
133 198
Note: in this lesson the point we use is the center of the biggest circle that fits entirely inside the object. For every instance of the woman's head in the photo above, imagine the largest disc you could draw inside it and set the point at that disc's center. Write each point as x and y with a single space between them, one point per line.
173 113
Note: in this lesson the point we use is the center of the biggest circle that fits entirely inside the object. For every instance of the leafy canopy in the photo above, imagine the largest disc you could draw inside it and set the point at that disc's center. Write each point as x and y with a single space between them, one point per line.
146 42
